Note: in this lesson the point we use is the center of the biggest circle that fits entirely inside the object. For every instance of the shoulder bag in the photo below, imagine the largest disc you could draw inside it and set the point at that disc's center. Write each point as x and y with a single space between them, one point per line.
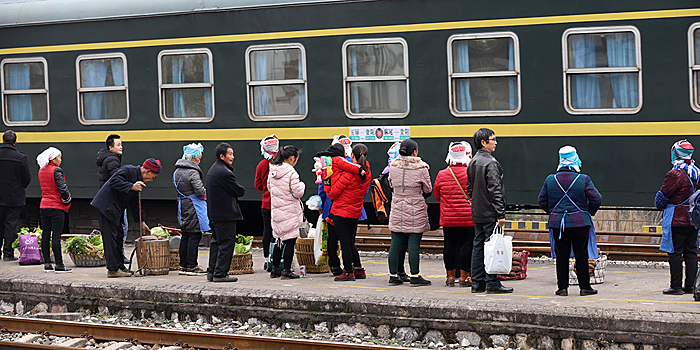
304 226
460 186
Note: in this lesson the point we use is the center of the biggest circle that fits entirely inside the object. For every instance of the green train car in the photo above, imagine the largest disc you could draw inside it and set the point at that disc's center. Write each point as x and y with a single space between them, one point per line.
619 80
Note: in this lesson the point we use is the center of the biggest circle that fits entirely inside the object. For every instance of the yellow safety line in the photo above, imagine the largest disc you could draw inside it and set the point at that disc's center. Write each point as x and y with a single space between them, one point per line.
417 27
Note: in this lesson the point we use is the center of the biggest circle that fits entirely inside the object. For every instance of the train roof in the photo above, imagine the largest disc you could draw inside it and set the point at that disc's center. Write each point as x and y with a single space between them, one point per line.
28 12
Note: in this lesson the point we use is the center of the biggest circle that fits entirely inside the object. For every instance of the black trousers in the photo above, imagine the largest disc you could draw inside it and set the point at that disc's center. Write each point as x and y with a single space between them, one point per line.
482 232
223 240
332 246
267 231
113 243
52 221
575 238
9 217
189 249
346 229
685 250
457 251
402 254
287 249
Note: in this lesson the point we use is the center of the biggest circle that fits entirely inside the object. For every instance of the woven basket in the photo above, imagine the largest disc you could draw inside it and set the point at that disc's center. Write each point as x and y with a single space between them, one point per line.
241 264
174 260
153 256
89 259
596 274
305 256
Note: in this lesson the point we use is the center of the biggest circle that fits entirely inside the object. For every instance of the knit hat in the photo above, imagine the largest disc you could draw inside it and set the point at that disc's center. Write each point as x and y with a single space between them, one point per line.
459 153
345 141
47 156
269 146
682 150
153 165
568 158
193 149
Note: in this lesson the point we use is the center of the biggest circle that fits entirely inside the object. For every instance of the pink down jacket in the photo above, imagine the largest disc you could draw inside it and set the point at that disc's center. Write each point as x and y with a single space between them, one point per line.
409 178
285 191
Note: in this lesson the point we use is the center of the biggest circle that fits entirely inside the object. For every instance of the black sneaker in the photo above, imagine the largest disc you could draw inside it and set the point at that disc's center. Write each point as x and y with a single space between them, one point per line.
276 272
404 277
499 290
336 270
210 277
287 274
10 258
562 292
48 268
395 280
590 291
419 282
62 269
225 279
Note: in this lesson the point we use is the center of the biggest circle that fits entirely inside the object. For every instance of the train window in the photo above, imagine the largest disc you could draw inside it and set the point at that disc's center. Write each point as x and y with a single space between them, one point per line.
484 74
694 46
602 70
25 91
375 73
276 78
102 89
186 80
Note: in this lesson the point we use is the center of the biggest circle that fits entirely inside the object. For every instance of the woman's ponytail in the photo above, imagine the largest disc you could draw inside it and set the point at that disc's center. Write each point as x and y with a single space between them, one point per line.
360 153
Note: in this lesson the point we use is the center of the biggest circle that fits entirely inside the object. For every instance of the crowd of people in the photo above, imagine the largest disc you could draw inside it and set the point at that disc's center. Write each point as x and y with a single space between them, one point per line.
470 192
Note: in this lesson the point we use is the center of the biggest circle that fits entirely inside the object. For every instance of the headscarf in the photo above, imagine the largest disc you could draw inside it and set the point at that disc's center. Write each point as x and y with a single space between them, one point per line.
345 141
193 149
459 153
153 165
568 158
48 155
269 146
680 157
393 153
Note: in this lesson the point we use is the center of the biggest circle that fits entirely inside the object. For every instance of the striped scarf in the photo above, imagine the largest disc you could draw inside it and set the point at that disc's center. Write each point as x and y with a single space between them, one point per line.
689 168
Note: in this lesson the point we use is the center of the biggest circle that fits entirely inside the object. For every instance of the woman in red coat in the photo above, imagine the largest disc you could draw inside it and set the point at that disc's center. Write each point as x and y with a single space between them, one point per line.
268 148
456 213
348 193
55 202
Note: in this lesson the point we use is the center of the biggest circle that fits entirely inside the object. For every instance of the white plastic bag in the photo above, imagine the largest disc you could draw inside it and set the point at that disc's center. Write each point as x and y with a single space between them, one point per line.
498 253
318 240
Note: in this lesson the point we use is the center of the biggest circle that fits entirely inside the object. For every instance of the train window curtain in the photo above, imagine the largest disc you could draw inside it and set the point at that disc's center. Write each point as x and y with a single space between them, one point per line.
103 89
187 86
696 67
277 81
25 93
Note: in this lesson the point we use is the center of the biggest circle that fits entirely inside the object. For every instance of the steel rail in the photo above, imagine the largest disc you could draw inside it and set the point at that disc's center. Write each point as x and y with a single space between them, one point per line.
105 332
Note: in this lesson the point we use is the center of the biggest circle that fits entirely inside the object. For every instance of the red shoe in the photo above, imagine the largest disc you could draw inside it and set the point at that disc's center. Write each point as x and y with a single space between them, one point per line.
360 273
346 277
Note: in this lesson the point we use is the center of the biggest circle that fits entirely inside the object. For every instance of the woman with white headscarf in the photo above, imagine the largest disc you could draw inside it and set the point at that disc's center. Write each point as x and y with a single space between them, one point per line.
55 202
456 214
571 199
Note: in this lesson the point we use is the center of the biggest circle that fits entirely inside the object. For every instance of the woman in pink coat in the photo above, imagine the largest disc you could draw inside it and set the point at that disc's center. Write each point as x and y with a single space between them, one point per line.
287 212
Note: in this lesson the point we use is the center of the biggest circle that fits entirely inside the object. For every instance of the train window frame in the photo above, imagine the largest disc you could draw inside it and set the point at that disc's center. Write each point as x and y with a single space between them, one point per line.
694 69
347 80
452 76
251 84
568 72
4 92
163 87
80 89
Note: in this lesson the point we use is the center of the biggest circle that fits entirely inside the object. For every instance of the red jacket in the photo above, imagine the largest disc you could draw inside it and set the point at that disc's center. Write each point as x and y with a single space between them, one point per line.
53 188
455 210
677 188
261 173
348 193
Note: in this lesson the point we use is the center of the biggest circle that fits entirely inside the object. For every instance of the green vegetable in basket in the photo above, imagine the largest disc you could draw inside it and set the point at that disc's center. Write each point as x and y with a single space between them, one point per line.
96 240
160 232
243 244
76 245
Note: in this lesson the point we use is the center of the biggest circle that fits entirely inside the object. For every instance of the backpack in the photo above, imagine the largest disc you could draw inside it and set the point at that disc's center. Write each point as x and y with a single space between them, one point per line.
694 209
381 197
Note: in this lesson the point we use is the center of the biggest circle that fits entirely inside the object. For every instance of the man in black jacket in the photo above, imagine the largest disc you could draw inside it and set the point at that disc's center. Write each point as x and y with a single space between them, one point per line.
485 187
120 191
14 179
222 208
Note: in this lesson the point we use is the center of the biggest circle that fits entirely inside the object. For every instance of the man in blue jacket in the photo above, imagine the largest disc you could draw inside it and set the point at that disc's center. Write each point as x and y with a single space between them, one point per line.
222 206
120 191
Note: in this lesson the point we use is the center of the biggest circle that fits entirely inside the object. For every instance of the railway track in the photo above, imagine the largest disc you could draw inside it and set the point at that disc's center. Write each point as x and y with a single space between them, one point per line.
162 337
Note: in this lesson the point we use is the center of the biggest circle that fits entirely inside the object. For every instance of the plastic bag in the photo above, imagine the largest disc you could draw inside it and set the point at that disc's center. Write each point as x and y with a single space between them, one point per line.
29 250
321 242
498 253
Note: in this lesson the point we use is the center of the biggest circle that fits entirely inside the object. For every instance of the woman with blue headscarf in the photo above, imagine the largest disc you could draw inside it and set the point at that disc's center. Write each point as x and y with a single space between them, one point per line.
679 238
571 199
191 207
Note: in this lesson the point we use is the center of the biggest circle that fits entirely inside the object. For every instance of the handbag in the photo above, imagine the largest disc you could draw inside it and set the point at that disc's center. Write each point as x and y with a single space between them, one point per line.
498 253
304 227
460 186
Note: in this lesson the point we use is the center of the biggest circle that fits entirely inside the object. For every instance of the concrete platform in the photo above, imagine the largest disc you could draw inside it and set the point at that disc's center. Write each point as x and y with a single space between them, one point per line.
630 305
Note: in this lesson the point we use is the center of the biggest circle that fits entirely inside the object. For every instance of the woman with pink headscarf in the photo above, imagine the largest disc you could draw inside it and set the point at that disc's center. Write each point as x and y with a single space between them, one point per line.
269 146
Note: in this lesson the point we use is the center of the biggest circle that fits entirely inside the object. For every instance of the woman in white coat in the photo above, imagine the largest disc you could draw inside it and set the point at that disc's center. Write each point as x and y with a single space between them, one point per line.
286 208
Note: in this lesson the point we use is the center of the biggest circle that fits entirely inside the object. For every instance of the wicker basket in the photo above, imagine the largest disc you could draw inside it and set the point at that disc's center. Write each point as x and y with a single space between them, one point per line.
153 256
596 274
174 260
241 264
305 256
89 259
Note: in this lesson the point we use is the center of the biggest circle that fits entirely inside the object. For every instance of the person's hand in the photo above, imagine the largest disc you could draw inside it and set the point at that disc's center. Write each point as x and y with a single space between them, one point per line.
501 222
362 172
138 186
144 228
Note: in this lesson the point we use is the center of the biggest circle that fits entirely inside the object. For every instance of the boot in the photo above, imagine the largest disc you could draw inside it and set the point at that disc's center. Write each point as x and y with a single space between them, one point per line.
287 274
450 278
276 272
465 279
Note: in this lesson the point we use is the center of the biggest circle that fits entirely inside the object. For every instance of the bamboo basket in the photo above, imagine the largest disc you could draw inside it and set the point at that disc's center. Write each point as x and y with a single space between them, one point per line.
174 260
241 264
89 259
305 256
153 256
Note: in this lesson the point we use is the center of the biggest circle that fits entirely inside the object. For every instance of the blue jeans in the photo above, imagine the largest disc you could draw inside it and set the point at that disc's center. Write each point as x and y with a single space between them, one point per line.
125 227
